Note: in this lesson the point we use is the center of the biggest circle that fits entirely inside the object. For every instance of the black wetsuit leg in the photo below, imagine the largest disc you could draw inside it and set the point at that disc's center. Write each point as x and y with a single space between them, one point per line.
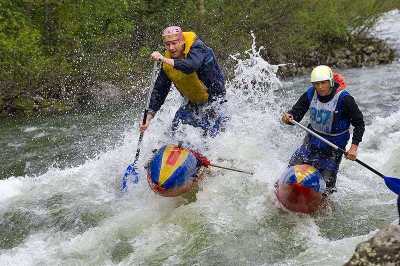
326 161
330 173
398 207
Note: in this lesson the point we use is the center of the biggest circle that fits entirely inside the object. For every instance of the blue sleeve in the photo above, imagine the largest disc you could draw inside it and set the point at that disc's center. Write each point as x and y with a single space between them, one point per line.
160 92
195 58
300 108
310 93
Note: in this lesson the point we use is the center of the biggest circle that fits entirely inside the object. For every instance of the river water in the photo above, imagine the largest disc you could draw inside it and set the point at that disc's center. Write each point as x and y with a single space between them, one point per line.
60 203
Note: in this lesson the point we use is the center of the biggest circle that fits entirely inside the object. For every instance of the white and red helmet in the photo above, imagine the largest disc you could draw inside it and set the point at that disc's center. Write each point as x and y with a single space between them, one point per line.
322 73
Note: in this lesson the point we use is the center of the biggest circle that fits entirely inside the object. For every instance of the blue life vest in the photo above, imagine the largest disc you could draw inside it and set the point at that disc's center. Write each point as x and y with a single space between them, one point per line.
327 119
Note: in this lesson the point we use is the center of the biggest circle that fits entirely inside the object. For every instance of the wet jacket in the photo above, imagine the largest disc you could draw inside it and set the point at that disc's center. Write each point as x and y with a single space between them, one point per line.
199 59
346 113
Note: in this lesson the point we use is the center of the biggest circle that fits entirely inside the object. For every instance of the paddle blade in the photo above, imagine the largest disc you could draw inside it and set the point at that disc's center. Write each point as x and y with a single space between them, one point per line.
393 184
130 173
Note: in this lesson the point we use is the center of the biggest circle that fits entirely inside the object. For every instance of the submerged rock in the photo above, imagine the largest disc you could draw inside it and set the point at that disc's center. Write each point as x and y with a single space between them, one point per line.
382 249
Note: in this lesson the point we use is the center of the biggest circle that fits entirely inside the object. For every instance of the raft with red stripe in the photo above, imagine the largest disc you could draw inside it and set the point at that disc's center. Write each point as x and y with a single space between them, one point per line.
173 170
300 189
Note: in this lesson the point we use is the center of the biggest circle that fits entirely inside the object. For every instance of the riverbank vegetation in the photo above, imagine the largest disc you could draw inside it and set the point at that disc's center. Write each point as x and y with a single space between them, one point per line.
53 54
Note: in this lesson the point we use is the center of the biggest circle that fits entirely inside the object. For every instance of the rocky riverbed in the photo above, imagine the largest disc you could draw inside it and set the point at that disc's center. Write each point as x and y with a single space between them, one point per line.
381 249
365 52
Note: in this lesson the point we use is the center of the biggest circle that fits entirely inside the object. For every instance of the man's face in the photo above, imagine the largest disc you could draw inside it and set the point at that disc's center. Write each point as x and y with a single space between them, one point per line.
175 45
323 87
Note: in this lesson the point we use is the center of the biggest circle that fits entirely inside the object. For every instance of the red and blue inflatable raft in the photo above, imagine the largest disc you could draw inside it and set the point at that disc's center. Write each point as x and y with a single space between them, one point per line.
173 170
300 189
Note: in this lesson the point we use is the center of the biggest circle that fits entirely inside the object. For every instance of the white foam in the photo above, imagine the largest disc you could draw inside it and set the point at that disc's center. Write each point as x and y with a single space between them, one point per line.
10 188
30 129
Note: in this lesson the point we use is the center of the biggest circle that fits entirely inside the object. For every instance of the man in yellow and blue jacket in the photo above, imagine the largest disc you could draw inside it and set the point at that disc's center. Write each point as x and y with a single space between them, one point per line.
192 67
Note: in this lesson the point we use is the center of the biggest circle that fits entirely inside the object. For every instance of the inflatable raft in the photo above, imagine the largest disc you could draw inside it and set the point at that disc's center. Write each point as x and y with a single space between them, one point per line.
300 189
173 170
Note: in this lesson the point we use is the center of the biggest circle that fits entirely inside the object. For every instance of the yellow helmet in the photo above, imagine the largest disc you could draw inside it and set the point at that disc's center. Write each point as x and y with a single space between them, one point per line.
321 73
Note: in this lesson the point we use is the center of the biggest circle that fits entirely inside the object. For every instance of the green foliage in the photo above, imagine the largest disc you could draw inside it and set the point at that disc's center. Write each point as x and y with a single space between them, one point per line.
21 58
48 43
323 22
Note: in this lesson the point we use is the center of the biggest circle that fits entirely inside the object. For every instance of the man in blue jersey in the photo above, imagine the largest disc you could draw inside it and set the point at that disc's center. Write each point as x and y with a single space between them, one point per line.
332 111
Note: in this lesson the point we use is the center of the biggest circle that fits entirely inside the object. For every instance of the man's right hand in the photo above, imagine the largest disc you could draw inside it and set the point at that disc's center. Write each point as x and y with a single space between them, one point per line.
156 56
287 118
144 126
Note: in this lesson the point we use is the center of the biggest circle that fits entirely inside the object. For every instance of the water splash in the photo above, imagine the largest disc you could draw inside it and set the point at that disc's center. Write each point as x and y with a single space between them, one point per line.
254 74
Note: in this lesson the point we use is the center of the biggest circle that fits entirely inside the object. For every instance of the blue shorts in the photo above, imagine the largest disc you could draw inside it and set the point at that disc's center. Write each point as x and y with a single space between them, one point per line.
327 161
209 117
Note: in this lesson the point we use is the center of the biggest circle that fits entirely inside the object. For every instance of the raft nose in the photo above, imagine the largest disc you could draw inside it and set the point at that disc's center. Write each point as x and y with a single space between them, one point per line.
300 188
172 171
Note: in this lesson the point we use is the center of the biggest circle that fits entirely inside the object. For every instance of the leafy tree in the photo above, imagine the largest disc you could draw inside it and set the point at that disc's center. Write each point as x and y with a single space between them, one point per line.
54 47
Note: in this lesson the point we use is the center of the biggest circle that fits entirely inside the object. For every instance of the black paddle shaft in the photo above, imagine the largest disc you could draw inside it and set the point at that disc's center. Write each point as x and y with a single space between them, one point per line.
140 137
370 168
153 80
364 164
232 169
336 147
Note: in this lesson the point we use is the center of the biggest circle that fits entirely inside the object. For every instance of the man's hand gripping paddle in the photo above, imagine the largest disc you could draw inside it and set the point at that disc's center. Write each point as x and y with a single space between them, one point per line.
131 171
392 183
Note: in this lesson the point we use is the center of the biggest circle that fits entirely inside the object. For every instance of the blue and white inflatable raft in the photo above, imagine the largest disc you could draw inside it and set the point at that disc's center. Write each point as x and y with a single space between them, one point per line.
173 170
300 189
